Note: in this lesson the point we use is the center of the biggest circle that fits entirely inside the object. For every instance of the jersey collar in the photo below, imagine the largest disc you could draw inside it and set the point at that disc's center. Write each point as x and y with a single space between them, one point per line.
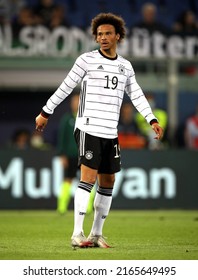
111 58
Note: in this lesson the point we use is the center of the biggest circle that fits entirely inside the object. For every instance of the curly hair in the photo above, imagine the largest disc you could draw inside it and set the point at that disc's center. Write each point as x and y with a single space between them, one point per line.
109 18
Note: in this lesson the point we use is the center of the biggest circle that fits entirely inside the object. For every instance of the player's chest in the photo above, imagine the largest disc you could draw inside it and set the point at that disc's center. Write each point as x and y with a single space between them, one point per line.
109 73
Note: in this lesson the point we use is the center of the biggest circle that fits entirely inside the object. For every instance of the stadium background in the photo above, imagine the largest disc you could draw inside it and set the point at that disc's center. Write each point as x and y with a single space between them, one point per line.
30 73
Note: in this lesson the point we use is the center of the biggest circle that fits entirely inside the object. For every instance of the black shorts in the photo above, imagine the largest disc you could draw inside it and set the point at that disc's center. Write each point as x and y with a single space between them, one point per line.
98 153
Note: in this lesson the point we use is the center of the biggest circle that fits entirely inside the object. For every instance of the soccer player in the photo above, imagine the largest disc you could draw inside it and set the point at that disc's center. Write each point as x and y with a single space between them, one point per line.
104 77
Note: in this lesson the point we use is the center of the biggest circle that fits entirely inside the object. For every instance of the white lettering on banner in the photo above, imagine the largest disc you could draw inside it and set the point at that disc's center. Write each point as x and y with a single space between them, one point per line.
79 38
136 183
159 41
74 41
5 38
191 44
24 180
58 175
67 41
165 175
133 183
31 188
141 44
26 38
176 47
13 177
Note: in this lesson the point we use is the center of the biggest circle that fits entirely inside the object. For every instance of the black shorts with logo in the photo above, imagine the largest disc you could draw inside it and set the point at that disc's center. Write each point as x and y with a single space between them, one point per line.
98 153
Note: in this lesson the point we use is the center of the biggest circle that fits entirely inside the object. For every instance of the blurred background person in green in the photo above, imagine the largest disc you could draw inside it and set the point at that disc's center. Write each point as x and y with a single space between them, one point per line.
68 153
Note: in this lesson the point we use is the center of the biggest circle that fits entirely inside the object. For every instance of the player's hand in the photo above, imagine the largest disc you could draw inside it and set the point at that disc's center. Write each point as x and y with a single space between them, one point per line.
41 122
158 130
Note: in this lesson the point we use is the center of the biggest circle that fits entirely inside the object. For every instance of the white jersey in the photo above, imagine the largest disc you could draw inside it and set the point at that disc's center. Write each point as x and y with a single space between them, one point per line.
103 83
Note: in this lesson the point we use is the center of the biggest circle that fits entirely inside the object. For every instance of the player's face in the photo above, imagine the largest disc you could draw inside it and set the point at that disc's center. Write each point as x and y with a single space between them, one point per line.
107 37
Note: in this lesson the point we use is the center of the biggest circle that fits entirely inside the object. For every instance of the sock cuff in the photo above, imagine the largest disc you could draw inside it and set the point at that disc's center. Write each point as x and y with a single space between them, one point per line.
105 191
85 186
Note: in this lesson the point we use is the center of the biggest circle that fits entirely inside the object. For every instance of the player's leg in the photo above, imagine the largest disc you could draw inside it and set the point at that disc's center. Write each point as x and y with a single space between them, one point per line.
102 205
109 165
88 165
81 199
82 196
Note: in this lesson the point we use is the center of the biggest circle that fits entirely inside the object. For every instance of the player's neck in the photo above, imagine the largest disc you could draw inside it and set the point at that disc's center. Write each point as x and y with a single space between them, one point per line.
109 53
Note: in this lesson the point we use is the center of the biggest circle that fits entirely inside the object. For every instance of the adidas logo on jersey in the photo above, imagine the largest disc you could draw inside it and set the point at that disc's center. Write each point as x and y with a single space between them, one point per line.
100 67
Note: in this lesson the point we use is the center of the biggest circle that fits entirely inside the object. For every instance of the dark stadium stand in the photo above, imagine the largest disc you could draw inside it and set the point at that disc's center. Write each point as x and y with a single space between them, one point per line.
81 12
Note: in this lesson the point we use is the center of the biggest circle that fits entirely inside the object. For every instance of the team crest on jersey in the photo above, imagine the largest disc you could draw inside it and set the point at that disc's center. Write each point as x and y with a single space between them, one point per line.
89 155
121 69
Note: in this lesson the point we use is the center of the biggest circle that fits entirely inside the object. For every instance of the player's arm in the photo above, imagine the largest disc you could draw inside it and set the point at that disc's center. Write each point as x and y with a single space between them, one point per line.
70 82
141 104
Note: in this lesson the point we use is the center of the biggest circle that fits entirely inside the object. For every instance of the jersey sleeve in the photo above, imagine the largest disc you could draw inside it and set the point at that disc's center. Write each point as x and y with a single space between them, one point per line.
73 78
138 98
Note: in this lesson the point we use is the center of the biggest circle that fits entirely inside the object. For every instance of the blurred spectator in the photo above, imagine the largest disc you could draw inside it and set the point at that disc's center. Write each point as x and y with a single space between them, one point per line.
4 14
191 131
128 132
186 24
25 18
9 10
20 139
43 11
37 141
50 14
58 17
144 127
149 19
23 139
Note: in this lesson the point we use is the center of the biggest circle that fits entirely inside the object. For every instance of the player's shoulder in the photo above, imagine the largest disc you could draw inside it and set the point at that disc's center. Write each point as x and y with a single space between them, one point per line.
124 61
89 55
87 58
126 64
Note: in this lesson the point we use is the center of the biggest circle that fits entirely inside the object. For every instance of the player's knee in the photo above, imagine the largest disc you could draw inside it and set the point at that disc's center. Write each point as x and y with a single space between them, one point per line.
88 178
107 181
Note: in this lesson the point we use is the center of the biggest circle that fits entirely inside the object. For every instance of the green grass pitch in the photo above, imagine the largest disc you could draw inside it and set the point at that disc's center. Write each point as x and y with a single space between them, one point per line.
134 235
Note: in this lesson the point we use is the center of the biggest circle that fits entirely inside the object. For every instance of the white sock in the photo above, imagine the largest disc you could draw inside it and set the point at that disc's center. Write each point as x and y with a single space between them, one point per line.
102 204
81 200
